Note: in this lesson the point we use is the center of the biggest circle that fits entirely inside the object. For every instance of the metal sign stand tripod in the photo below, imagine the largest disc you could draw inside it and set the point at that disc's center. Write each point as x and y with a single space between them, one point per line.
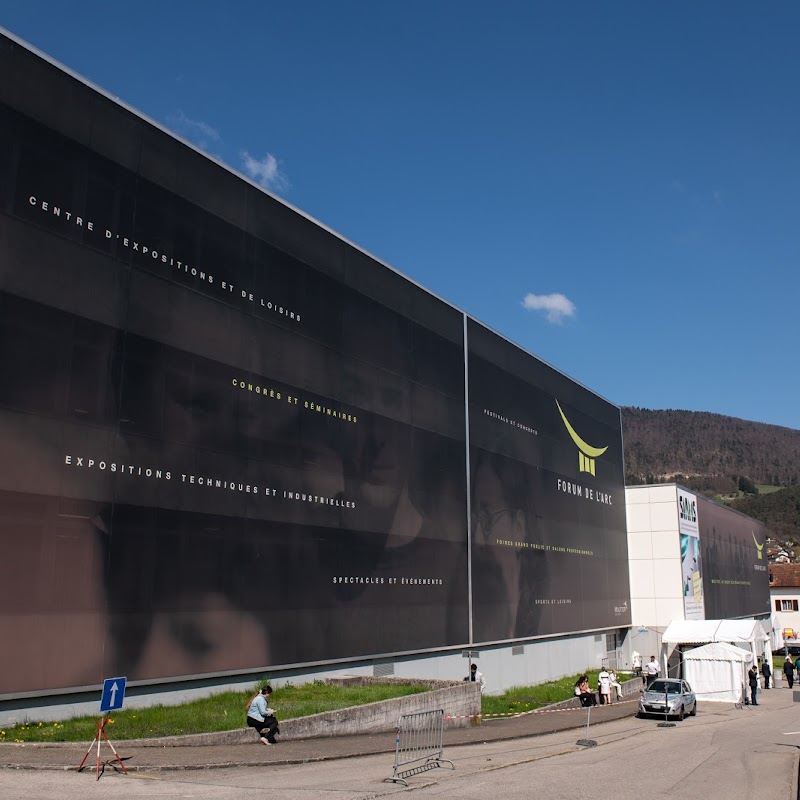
101 734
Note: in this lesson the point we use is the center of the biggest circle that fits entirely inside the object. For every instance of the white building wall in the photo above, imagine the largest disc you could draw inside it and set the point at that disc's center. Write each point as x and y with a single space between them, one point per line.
654 555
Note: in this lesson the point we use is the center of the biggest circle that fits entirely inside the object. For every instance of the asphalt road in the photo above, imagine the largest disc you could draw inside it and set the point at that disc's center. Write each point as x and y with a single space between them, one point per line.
723 753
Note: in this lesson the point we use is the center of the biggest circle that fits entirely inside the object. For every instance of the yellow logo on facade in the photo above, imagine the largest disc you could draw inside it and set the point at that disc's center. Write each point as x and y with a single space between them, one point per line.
759 547
586 453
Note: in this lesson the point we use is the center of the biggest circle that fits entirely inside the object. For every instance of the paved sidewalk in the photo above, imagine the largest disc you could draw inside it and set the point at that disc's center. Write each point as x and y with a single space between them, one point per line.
721 754
300 751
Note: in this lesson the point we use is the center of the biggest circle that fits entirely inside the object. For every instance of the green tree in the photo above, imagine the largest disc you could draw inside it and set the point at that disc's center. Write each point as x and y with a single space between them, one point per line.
747 486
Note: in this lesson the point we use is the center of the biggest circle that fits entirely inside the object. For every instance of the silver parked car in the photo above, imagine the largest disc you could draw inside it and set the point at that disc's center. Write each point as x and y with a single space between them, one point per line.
668 697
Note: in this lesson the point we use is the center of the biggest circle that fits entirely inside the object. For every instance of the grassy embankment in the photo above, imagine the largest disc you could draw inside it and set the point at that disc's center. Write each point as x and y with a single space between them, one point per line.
526 698
220 712
226 711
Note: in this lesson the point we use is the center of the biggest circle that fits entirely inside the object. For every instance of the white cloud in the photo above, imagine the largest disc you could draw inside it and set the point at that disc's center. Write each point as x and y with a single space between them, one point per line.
265 172
196 131
555 306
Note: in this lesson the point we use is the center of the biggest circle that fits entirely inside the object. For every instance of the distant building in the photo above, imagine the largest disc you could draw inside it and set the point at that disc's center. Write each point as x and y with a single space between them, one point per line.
692 559
784 588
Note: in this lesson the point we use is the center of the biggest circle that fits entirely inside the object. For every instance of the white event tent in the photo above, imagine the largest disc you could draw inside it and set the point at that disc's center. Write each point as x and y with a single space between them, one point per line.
742 634
746 633
718 671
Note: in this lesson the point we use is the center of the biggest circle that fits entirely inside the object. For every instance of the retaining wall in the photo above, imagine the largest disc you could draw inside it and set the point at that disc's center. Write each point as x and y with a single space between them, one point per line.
457 699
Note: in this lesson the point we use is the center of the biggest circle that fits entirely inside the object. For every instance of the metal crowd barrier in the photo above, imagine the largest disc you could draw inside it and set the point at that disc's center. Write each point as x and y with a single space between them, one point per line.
419 745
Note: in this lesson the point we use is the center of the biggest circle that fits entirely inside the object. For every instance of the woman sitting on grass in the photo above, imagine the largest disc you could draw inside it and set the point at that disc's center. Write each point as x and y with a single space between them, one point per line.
261 717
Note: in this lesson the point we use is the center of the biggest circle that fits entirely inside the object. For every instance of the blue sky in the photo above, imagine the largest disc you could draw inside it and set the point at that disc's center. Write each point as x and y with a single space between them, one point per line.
613 186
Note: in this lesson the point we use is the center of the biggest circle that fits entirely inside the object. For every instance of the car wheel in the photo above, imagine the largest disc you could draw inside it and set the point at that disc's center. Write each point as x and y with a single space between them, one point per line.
681 713
693 712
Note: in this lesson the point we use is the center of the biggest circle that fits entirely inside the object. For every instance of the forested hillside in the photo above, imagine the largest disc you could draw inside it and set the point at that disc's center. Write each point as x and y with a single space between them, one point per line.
779 511
707 452
722 457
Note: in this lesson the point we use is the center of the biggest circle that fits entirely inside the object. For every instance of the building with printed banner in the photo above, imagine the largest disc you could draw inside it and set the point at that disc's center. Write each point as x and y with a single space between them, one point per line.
692 559
235 443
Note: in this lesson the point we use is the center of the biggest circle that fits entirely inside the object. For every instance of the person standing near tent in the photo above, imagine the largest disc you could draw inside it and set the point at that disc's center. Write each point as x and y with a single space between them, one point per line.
652 669
752 677
637 664
766 671
604 687
788 671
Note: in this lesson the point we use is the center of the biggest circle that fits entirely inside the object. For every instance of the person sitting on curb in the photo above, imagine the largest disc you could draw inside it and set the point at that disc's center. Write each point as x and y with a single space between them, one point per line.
615 684
271 719
584 693
261 717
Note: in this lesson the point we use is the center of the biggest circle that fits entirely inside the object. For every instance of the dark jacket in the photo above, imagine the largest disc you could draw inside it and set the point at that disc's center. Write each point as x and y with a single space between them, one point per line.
766 670
753 676
788 668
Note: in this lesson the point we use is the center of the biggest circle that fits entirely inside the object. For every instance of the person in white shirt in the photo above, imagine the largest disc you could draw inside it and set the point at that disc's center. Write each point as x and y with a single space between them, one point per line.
604 687
476 677
652 669
616 687
637 663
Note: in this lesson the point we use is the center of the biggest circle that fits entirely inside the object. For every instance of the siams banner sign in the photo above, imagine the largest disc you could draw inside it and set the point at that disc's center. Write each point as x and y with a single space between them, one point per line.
691 563
233 441
735 567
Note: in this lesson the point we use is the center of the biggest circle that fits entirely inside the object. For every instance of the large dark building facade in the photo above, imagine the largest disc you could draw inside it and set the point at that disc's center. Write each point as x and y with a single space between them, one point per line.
231 440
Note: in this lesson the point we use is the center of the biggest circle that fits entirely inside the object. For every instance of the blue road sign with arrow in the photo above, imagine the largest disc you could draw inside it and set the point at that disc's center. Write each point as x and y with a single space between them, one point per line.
113 694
